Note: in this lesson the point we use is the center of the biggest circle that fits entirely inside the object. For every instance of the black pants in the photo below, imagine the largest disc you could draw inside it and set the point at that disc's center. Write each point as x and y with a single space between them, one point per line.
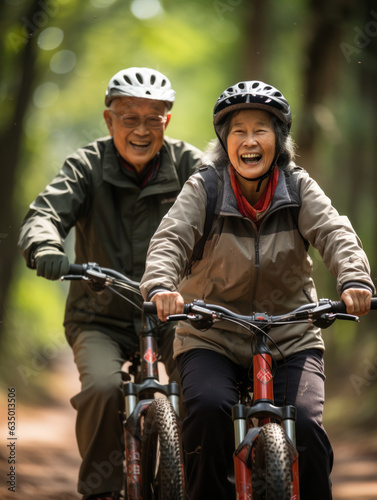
209 388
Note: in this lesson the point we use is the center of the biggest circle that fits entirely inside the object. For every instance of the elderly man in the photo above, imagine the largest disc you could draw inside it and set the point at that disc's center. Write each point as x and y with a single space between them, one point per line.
114 191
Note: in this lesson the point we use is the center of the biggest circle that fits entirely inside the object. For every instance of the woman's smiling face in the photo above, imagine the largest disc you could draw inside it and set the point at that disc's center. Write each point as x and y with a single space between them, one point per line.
251 142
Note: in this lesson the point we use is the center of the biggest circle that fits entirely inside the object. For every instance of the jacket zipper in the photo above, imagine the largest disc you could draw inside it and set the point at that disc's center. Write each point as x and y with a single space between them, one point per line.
256 249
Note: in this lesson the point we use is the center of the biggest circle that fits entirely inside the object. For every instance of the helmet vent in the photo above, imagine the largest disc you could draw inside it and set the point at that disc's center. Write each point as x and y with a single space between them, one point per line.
253 95
140 82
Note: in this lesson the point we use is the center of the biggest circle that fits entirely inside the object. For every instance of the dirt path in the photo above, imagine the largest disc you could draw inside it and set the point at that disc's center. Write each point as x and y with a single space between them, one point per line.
47 460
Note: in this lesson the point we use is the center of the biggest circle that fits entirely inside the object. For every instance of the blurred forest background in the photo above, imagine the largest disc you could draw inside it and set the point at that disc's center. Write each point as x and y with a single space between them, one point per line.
56 58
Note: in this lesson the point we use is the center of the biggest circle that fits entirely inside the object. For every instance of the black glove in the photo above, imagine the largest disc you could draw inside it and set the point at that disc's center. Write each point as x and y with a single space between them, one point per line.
50 262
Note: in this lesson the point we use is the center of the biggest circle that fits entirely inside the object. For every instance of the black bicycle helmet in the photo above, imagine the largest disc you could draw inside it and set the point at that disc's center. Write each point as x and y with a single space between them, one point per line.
140 82
252 95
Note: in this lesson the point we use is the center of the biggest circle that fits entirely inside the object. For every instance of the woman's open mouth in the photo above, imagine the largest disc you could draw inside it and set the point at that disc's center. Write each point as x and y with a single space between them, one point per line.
251 158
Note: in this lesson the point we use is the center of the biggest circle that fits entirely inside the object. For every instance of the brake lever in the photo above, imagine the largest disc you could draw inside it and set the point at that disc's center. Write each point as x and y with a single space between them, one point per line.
327 319
200 322
177 317
96 280
348 317
73 277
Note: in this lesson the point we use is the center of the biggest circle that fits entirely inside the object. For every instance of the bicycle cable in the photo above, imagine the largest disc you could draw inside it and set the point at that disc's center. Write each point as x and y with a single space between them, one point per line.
247 324
114 290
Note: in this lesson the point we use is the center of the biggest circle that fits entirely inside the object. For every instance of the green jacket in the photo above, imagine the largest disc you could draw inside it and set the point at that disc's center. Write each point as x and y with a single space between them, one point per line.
246 269
114 221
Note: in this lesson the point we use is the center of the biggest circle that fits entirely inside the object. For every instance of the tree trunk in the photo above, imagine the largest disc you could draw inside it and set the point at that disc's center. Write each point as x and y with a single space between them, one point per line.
321 75
10 145
256 36
367 77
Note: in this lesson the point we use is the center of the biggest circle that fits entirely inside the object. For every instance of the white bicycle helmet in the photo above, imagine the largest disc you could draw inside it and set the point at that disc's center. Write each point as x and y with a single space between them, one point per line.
253 95
140 82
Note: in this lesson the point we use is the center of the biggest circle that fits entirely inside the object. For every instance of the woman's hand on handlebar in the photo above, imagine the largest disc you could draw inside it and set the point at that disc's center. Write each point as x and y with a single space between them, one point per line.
168 303
357 300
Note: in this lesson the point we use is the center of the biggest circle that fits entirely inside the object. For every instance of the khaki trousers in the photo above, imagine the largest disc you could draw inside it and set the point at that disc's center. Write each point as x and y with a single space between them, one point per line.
100 405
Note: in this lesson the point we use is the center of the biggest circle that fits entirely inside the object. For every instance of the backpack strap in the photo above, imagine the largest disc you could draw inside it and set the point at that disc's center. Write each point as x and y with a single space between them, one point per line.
293 186
211 184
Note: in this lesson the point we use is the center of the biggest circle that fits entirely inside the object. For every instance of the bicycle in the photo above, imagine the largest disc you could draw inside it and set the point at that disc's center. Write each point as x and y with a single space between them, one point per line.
153 454
265 456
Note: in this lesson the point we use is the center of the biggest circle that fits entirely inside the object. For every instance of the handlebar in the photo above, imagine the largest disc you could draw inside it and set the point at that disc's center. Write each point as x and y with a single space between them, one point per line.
100 275
321 314
149 308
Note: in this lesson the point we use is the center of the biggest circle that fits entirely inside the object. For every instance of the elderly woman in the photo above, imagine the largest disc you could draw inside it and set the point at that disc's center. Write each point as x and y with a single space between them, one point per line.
255 259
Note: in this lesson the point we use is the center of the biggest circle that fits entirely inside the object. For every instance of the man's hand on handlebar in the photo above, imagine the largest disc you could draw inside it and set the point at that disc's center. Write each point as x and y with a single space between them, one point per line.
168 303
50 262
357 300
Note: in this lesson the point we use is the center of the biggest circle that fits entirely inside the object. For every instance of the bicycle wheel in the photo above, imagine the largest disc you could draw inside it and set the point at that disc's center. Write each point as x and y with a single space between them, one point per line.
271 464
161 454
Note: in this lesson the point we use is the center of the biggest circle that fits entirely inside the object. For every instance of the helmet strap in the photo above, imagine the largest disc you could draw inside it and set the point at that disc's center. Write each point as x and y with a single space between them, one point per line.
260 178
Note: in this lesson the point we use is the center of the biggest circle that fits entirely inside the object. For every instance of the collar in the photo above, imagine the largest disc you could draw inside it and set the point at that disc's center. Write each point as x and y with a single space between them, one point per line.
166 179
228 202
254 212
148 174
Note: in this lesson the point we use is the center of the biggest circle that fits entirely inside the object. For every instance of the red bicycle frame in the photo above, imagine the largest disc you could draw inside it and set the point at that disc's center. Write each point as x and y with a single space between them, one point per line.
263 410
138 397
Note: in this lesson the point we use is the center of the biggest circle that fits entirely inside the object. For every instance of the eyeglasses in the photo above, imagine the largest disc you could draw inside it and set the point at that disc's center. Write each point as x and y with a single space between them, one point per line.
133 121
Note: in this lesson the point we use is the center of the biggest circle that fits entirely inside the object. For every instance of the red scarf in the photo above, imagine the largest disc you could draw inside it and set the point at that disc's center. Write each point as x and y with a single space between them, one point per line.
256 212
148 174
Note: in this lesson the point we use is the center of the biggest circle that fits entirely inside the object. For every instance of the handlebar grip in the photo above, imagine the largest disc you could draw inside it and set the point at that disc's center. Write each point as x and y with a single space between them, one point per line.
149 308
76 269
338 306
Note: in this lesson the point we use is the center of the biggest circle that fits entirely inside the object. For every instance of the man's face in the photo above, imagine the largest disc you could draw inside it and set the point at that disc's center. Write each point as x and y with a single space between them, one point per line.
140 144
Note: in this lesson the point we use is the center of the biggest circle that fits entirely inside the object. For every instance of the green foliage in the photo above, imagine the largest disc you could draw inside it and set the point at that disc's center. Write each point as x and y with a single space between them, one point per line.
66 109
203 47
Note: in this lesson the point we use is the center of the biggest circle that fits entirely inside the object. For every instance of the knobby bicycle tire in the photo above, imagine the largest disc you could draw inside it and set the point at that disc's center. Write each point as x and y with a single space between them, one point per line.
161 454
271 465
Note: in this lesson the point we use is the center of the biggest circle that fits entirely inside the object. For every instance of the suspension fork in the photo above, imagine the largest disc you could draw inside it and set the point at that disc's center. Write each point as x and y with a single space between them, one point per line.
132 446
264 410
133 410
263 393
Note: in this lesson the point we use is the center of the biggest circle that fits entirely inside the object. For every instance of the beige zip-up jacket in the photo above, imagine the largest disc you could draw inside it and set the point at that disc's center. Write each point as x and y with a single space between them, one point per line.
252 270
